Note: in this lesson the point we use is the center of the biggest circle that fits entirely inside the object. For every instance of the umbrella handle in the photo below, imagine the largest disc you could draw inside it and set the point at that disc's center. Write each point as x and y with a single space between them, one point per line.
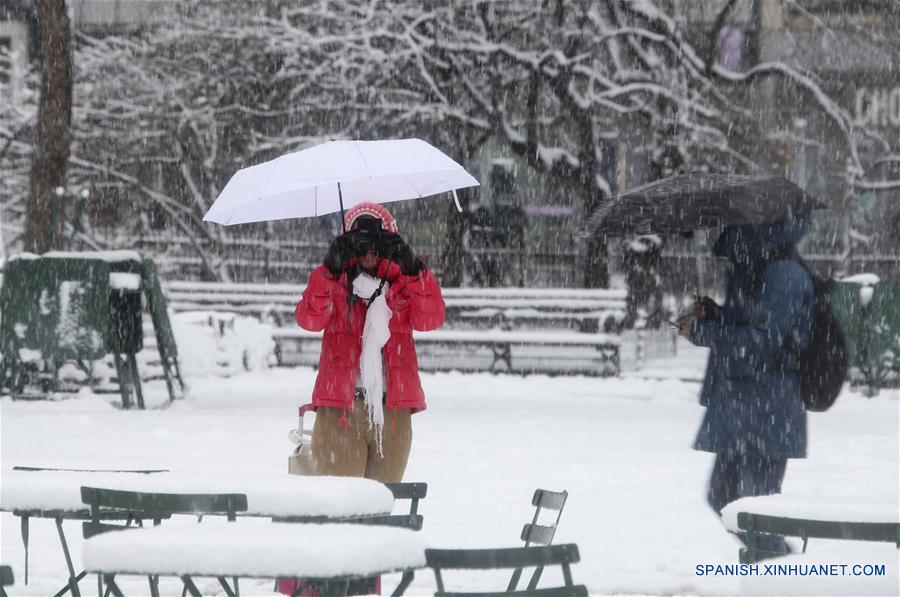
455 200
341 201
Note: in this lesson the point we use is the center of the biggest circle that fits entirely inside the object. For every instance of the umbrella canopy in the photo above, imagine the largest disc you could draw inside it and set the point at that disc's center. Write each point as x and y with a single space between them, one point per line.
693 201
334 176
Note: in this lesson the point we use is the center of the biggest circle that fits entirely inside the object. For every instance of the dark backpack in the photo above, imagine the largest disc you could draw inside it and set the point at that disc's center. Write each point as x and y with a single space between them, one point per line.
822 365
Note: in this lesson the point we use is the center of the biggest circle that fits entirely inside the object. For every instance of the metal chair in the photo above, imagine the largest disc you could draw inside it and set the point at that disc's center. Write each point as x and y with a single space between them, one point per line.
135 507
534 533
516 557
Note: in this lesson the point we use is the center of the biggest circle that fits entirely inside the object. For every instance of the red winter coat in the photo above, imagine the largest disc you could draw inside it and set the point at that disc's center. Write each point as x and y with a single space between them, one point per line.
416 303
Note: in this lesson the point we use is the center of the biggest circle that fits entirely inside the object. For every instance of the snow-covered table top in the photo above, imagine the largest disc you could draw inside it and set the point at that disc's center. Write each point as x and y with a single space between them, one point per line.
267 494
812 508
255 550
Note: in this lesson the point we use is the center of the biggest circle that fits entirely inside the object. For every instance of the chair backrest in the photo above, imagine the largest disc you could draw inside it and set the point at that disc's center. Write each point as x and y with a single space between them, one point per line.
539 534
6 576
516 557
137 506
409 491
757 524
543 499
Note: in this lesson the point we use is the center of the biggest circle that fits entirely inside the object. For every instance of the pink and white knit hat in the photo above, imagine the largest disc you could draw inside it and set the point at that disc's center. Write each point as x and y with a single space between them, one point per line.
374 210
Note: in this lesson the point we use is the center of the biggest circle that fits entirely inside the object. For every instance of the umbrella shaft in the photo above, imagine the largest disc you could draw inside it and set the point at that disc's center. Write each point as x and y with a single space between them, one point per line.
341 202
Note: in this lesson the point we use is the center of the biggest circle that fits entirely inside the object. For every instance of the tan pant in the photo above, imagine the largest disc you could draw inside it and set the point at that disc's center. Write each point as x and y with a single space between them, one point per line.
352 452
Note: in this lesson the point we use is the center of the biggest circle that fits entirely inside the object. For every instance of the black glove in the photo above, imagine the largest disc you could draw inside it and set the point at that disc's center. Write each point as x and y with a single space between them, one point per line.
339 254
393 247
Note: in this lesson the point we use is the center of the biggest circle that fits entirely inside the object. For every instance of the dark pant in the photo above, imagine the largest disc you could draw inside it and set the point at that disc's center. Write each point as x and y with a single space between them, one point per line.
734 477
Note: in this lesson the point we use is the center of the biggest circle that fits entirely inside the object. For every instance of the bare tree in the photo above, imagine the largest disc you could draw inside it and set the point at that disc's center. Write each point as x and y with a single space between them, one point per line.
163 118
51 147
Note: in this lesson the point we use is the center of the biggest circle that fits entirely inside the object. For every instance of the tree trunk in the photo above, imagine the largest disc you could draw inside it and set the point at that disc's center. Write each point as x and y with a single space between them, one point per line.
44 214
596 270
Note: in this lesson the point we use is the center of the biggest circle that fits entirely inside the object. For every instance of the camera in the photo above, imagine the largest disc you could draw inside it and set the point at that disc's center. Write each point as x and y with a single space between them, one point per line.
366 236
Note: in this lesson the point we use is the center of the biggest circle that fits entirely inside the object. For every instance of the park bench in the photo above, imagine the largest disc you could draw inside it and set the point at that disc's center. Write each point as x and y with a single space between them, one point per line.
809 518
532 330
497 351
589 310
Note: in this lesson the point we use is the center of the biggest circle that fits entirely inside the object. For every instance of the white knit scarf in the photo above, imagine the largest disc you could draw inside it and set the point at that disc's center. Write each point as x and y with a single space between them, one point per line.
375 334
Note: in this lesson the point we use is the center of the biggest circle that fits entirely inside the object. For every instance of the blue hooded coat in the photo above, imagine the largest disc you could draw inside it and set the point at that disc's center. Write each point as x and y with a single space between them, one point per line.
750 391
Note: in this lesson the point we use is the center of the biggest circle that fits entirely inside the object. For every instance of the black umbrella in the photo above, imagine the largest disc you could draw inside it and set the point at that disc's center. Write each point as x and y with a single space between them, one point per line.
693 201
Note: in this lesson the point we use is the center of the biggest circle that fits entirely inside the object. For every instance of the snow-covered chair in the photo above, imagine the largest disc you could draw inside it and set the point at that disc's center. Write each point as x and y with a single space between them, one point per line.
412 492
135 507
514 557
808 518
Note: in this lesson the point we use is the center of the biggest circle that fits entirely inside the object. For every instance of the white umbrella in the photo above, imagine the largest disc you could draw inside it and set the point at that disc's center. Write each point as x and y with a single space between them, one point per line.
335 176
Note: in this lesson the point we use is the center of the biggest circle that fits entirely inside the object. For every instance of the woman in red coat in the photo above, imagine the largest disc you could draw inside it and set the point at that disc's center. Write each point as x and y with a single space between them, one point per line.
368 296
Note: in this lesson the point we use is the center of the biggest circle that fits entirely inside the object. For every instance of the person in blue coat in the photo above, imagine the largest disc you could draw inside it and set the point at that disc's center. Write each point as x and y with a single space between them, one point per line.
755 417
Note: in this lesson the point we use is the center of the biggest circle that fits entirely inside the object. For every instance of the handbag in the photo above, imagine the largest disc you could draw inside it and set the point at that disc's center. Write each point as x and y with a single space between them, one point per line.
301 461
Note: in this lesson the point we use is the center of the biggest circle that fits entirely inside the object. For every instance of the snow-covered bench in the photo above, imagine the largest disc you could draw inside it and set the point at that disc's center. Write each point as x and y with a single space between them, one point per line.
506 308
488 350
810 518
324 555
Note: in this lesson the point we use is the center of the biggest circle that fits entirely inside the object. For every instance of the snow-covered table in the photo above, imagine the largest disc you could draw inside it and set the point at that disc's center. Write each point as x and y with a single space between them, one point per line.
268 495
811 517
57 495
314 552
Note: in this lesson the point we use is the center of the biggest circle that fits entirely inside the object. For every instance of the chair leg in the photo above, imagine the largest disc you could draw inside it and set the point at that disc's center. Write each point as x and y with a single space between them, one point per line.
73 580
154 585
111 585
514 580
405 581
227 588
535 578
190 586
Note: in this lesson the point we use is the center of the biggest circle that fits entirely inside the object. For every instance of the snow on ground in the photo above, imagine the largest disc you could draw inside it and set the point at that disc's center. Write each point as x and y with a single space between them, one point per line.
621 447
